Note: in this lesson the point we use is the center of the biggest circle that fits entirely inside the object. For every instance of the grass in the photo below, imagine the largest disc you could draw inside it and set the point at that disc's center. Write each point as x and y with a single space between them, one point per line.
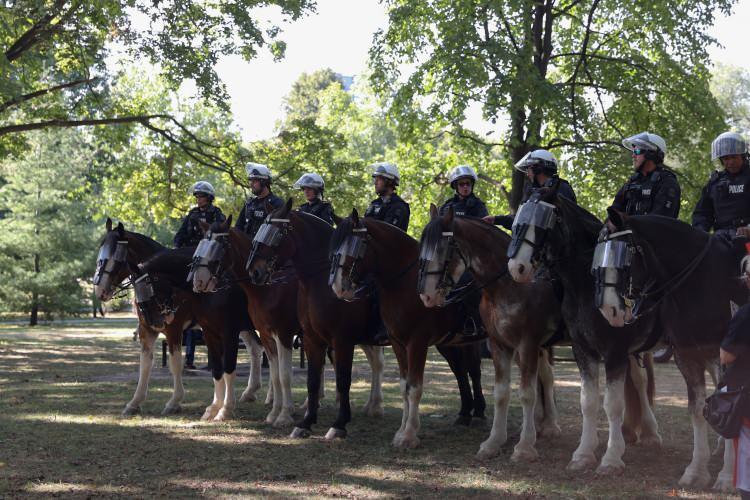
62 389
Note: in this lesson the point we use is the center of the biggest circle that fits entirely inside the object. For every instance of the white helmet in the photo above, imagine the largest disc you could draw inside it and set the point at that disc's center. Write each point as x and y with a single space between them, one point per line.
541 157
257 171
647 141
728 144
310 180
203 187
385 170
461 172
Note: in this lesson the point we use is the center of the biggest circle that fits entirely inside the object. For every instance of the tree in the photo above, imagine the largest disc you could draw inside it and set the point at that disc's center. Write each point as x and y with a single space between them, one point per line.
731 87
575 77
53 70
302 101
48 243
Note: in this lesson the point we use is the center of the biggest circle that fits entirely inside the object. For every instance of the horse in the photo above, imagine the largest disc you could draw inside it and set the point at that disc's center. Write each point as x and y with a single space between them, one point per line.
553 232
119 255
367 247
650 263
303 239
164 297
520 318
221 257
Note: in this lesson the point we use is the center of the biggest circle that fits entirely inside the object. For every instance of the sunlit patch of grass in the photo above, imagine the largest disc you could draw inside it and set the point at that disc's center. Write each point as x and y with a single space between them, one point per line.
81 488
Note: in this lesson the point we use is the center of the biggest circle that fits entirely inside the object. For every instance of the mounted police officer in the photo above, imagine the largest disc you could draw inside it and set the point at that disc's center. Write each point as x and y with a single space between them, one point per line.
254 212
464 202
652 189
540 167
724 205
190 233
388 206
313 185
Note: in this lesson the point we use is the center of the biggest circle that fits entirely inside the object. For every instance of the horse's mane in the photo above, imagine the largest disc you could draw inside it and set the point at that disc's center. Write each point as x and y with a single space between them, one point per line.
490 229
151 243
172 262
651 225
316 230
340 234
433 232
578 217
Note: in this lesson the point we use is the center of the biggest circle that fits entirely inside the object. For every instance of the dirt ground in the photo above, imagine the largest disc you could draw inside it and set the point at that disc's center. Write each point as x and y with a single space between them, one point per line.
62 389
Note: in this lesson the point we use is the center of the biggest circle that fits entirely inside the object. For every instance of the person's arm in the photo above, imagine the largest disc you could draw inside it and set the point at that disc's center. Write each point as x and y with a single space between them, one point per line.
619 202
182 233
400 217
736 343
667 198
482 210
327 214
703 214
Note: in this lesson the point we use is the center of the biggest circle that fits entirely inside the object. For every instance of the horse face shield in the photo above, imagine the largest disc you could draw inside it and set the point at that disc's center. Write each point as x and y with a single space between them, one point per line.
108 263
531 226
206 267
345 273
610 268
437 275
268 236
152 311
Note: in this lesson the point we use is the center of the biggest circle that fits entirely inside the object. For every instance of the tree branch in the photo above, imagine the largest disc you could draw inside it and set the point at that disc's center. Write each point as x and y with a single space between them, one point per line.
556 143
496 183
33 95
36 33
584 47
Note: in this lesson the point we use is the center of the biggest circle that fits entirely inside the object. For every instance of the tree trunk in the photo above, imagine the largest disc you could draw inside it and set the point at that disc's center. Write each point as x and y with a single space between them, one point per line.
34 319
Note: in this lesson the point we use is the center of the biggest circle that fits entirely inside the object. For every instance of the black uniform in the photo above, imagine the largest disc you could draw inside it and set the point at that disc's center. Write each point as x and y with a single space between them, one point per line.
655 193
725 202
392 210
190 233
737 342
565 190
318 208
254 213
465 207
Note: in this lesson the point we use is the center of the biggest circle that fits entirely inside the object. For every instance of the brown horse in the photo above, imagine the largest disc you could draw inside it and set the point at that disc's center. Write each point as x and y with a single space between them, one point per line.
367 247
520 318
220 258
164 298
120 253
327 321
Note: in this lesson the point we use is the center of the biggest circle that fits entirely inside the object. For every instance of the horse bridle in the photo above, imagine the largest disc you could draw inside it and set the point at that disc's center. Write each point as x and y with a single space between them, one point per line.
445 281
353 276
273 242
103 268
144 293
215 265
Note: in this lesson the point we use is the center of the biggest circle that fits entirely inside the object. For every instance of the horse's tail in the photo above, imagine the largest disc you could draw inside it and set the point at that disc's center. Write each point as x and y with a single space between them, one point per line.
632 422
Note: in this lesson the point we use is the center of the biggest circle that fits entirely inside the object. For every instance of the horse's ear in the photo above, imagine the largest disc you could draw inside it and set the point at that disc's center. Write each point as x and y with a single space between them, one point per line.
337 220
433 211
121 229
205 226
108 224
617 218
355 216
228 222
288 205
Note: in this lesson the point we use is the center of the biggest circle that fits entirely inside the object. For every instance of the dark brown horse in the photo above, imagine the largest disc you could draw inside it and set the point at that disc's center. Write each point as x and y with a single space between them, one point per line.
219 260
165 298
120 254
367 247
327 321
520 318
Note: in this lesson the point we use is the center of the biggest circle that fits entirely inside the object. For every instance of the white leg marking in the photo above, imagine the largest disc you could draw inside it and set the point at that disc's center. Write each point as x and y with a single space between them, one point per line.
614 407
276 402
284 418
525 450
649 427
227 410
178 391
255 353
502 359
725 480
404 413
216 404
408 438
144 375
376 358
549 426
583 457
696 474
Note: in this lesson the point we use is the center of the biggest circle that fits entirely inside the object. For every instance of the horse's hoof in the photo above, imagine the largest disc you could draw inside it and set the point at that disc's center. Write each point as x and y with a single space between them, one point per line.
334 433
612 469
550 431
463 420
300 433
248 397
697 480
524 455
171 410
406 441
209 414
374 410
223 415
582 463
724 483
283 421
131 411
486 453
